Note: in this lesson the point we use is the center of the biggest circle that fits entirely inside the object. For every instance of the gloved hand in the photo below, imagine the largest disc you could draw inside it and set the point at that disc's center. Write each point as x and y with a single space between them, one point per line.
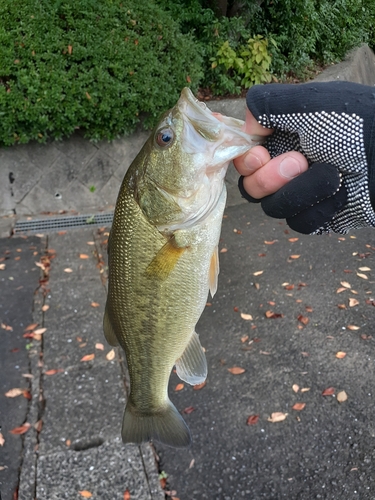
332 125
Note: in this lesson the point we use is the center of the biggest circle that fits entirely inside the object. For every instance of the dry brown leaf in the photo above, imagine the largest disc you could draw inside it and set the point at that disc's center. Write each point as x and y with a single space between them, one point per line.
364 269
340 354
90 243
271 314
295 387
353 291
270 242
198 387
236 370
68 270
345 284
352 327
6 327
99 346
83 256
341 306
95 304
258 273
341 289
252 420
295 257
53 371
88 357
363 276
299 406
353 302
303 319
85 493
22 429
111 355
246 317
223 250
329 391
309 309
31 327
179 387
127 494
305 389
38 425
277 416
2 440
293 240
13 393
342 397
45 307
244 338
40 331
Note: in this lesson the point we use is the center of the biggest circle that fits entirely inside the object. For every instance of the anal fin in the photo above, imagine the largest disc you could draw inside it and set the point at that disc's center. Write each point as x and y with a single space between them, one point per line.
192 366
109 333
214 271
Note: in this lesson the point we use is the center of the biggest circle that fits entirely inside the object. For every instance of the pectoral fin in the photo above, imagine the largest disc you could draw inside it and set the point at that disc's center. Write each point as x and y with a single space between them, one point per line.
108 330
192 366
214 271
164 261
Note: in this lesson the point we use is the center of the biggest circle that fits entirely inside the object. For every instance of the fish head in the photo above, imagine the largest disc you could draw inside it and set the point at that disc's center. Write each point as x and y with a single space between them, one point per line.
186 161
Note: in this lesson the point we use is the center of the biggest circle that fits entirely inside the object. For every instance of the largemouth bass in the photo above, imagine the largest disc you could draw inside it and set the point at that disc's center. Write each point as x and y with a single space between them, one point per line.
163 260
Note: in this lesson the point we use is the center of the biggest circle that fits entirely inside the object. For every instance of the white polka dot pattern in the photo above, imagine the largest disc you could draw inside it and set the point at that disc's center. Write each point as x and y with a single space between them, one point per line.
329 138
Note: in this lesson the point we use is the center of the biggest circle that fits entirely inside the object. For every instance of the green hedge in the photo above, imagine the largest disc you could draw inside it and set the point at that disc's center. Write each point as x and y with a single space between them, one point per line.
99 65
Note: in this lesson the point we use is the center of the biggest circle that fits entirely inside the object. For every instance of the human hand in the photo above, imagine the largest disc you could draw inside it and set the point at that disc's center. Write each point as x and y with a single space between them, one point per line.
328 126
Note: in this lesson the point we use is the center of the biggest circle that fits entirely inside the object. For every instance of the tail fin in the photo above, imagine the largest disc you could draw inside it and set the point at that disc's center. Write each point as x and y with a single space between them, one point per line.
166 426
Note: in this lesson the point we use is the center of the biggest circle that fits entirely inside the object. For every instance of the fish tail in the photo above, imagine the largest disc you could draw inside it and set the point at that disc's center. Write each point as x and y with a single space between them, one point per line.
165 425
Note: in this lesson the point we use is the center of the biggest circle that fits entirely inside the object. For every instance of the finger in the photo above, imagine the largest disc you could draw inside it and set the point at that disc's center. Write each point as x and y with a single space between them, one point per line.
252 126
254 159
275 174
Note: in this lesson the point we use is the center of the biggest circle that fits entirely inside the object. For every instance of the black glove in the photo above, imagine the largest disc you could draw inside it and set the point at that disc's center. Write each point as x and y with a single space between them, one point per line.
332 125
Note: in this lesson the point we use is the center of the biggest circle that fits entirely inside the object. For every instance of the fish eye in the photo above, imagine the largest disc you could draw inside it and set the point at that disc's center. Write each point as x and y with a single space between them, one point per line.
164 137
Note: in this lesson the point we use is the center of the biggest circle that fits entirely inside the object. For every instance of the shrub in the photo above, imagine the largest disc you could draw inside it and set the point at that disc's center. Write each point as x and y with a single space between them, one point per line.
92 64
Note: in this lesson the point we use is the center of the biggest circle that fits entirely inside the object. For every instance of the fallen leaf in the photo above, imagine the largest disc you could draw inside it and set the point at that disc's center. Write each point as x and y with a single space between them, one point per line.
31 327
6 327
329 391
68 270
223 250
2 440
352 327
53 371
295 387
363 276
246 317
111 355
341 397
305 389
345 284
340 355
252 420
295 256
99 346
258 273
353 302
244 338
236 370
90 242
364 269
68 442
292 240
341 289
83 256
198 387
277 416
179 387
299 406
270 242
22 429
309 309
88 357
40 331
45 307
188 410
303 319
85 493
38 425
13 393
127 495
271 314
341 306
95 304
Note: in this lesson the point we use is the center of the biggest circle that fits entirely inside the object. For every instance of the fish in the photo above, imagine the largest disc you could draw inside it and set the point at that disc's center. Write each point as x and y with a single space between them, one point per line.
163 260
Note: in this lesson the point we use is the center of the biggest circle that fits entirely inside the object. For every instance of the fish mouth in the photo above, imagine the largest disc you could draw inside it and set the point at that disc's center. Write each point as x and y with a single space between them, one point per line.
226 134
